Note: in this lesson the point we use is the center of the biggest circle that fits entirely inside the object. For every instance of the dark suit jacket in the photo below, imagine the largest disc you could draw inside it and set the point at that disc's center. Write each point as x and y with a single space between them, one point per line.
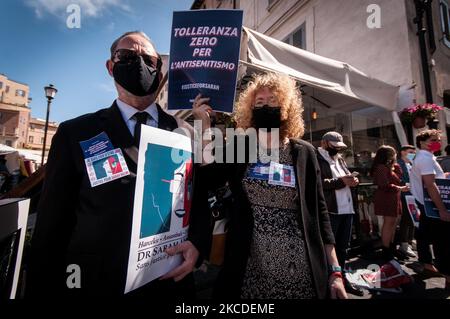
84 225
312 213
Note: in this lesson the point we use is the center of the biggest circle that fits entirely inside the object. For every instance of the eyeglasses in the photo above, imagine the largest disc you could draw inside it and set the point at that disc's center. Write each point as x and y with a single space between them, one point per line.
127 56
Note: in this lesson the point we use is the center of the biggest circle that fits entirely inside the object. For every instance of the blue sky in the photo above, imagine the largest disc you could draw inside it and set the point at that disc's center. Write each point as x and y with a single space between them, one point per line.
37 47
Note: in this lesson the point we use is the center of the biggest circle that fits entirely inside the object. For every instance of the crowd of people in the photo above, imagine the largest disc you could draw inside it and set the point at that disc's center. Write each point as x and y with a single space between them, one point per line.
395 176
13 169
288 234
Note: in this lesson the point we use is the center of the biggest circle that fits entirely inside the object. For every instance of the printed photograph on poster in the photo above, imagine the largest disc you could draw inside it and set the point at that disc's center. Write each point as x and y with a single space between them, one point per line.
204 58
161 206
444 189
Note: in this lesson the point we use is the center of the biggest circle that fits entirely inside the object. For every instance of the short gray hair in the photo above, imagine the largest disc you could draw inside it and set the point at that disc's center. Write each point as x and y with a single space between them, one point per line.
116 42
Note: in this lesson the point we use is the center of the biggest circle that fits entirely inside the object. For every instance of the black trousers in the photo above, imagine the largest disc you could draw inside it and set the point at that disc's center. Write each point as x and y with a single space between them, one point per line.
437 233
406 230
342 230
423 238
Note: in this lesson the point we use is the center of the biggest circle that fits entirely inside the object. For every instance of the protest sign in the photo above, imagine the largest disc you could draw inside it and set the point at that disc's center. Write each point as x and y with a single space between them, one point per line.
204 58
161 205
444 189
413 209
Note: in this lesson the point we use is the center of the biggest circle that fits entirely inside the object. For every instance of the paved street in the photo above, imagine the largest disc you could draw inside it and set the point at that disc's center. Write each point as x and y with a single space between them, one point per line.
421 288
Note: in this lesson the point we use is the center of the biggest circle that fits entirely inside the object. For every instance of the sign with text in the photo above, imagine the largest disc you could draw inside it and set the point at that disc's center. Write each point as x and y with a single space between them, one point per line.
162 204
204 58
444 189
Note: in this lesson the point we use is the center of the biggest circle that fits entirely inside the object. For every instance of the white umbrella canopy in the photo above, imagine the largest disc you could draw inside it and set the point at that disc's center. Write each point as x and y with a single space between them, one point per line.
336 84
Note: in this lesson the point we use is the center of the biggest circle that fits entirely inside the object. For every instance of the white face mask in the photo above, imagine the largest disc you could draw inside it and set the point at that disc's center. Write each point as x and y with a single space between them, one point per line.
410 156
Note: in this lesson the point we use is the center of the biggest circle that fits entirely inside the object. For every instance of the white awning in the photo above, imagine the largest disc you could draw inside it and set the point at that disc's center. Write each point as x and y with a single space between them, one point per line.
336 84
5 149
32 155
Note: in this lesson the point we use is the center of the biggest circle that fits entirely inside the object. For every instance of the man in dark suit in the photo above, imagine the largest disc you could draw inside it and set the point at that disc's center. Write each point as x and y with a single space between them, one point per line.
91 226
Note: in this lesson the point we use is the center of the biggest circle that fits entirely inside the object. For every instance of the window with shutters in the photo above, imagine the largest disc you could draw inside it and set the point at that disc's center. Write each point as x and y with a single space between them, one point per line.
445 21
297 38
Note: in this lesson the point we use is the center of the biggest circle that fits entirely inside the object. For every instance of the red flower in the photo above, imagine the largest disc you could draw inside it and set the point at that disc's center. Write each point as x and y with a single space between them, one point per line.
427 110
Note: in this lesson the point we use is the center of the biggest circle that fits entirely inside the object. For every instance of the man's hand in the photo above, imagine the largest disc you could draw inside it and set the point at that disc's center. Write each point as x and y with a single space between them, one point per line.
444 215
337 289
190 255
350 181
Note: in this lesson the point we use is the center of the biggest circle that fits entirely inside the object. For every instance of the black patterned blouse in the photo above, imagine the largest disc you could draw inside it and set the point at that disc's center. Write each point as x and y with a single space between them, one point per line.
278 265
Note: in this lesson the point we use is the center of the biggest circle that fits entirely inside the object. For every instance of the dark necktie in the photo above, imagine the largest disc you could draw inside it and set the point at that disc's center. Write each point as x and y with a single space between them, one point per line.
141 118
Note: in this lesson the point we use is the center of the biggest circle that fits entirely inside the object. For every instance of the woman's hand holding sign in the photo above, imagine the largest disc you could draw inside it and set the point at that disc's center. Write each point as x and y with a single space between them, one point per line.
202 111
190 255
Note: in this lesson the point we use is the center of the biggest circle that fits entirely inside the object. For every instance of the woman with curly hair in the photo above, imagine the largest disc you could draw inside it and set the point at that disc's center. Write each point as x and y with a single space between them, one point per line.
279 239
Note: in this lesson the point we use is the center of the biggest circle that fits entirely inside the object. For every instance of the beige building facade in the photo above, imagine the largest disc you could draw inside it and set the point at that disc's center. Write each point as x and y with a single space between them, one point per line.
377 37
339 30
17 128
36 131
14 112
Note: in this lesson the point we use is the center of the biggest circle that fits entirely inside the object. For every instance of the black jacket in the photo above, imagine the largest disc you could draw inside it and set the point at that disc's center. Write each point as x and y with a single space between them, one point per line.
330 184
313 214
84 225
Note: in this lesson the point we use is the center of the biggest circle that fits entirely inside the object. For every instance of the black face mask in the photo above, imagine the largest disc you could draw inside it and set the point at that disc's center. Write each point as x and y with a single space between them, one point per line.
332 151
137 77
267 117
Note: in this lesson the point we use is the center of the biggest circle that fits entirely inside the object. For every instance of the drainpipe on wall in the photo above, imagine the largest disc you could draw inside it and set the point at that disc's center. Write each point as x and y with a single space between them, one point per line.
421 6
424 7
430 27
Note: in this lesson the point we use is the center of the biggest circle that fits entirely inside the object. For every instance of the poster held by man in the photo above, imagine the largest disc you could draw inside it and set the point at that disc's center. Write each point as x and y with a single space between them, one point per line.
161 205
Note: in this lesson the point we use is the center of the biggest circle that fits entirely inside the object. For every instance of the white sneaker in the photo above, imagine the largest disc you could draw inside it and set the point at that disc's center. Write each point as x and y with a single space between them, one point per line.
406 249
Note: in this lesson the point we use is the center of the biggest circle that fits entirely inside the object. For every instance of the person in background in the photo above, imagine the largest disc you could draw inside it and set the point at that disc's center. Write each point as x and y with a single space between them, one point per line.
386 175
444 161
424 172
23 169
339 191
406 231
4 174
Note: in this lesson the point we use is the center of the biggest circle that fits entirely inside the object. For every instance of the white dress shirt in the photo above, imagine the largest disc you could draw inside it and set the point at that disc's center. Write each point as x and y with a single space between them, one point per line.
128 112
344 199
424 164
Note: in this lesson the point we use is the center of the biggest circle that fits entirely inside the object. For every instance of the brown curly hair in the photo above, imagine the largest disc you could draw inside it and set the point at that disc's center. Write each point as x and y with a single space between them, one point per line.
289 98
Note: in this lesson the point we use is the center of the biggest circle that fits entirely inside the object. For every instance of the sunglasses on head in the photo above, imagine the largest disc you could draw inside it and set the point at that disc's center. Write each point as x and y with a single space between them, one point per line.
127 56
